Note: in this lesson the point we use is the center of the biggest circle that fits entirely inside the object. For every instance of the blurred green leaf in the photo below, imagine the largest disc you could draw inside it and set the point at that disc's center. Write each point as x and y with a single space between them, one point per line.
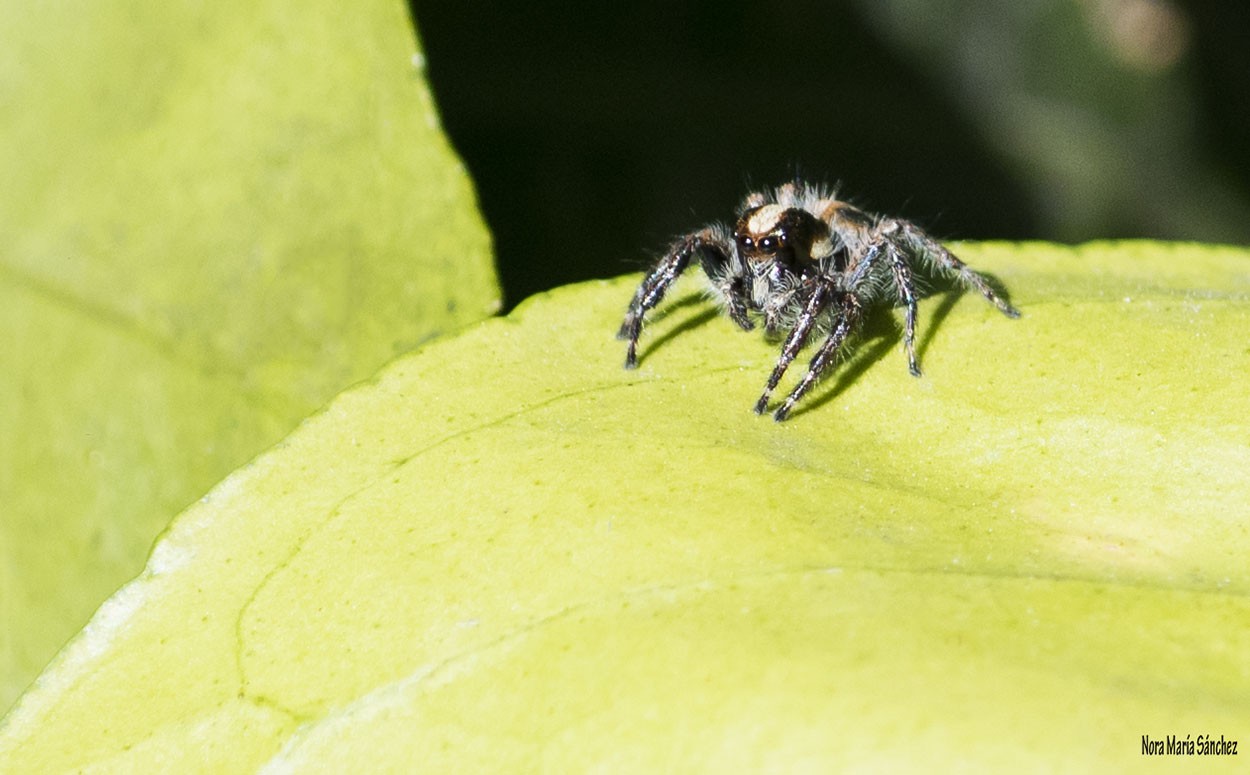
508 553
213 218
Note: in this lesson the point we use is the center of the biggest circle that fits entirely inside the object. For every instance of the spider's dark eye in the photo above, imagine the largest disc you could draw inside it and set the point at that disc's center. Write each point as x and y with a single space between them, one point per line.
776 242
745 242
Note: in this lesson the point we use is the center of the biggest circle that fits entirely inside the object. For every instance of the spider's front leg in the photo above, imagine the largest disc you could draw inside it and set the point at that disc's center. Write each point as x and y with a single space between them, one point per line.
812 310
824 293
848 320
714 251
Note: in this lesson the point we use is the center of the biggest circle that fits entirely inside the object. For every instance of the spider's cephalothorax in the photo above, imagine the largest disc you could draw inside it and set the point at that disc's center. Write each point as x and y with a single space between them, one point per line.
803 260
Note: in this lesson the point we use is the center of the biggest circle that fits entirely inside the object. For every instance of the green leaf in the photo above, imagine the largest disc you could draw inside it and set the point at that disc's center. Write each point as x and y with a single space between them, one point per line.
509 553
214 218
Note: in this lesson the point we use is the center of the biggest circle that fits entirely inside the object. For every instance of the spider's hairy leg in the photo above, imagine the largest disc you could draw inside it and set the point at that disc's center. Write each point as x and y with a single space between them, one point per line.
726 274
906 287
848 318
661 277
734 291
794 342
926 246
846 324
649 294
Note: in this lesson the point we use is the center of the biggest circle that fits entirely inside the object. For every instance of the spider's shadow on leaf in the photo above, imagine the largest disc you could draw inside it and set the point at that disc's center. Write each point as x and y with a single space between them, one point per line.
689 300
881 334
950 298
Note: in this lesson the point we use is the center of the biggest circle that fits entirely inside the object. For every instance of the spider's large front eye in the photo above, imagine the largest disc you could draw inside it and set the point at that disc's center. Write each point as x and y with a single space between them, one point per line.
745 242
769 245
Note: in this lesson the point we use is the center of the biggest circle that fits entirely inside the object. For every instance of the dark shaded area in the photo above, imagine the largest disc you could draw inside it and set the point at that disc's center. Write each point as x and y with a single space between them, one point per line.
595 133
1221 64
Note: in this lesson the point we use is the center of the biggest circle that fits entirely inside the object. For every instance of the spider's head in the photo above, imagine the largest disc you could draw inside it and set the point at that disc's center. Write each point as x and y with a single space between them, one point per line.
785 235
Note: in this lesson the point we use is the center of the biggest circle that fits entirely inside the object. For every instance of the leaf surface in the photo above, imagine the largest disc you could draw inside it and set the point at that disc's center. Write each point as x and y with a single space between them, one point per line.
509 553
214 218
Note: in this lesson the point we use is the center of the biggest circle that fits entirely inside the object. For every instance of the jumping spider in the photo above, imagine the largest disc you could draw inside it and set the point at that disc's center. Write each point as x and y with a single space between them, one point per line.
801 260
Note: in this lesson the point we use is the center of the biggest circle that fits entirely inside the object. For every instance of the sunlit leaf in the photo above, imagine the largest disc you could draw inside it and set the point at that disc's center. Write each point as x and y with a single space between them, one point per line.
213 218
507 552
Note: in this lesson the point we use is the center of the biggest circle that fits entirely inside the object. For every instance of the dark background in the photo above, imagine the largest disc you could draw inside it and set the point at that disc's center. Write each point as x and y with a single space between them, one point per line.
597 132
